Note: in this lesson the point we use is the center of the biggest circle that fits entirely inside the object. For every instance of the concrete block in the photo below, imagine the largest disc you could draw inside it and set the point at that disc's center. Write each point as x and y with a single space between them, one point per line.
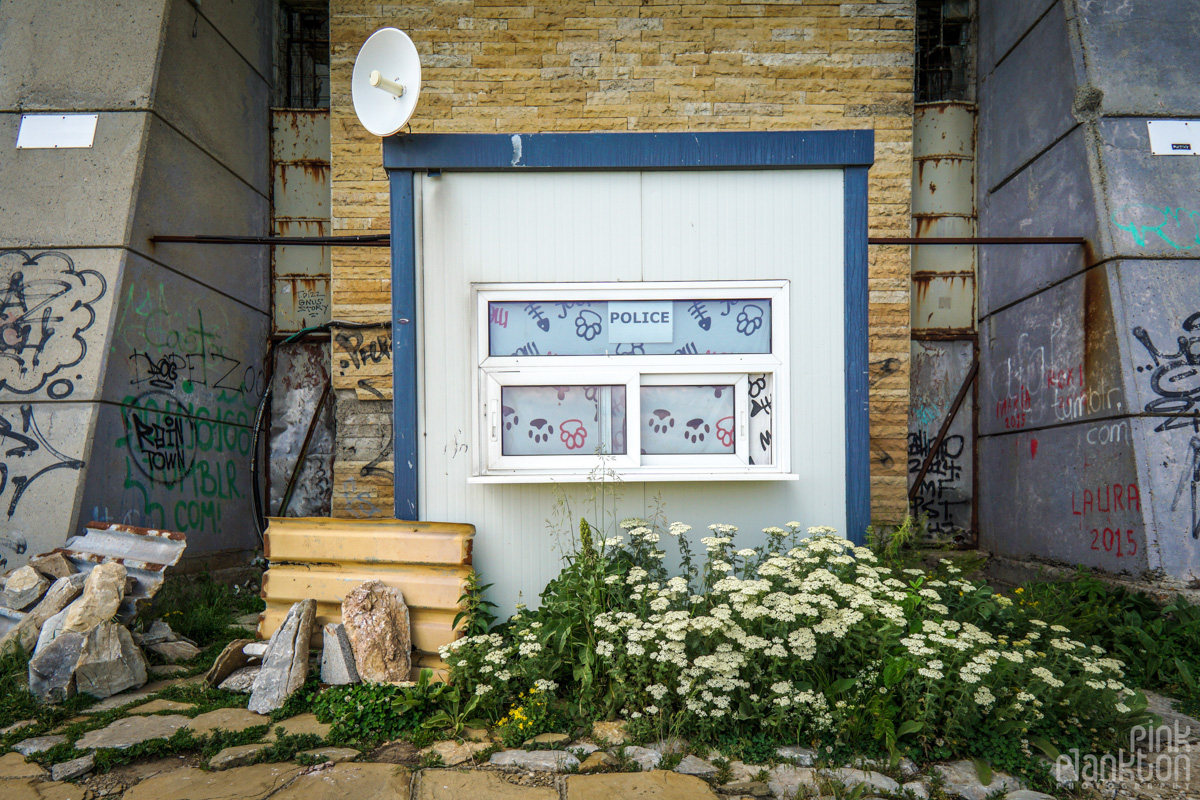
246 24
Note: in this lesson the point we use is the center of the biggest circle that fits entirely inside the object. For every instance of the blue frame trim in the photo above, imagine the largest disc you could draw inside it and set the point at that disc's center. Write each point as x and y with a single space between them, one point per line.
850 151
641 151
404 345
858 432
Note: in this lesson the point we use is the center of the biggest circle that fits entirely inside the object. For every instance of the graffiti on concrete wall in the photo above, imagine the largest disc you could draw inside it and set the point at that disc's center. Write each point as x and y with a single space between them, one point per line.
1174 376
946 494
1190 480
185 436
1177 228
46 306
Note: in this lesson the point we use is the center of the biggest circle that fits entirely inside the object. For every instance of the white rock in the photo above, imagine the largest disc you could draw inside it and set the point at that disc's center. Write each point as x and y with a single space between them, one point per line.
285 666
919 789
337 657
23 588
537 761
73 768
240 680
37 744
787 781
800 756
103 591
962 780
59 596
855 777
690 765
52 668
258 649
644 757
109 662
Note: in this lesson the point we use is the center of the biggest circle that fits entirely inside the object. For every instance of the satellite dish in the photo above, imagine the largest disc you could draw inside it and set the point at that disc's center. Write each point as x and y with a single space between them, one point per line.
386 81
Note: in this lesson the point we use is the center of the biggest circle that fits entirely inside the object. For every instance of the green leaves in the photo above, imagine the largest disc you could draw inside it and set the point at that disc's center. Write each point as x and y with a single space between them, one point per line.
983 770
912 726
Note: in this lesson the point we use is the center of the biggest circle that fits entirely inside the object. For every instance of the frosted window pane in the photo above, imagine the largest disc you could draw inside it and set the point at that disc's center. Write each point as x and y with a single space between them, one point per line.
687 419
562 420
697 327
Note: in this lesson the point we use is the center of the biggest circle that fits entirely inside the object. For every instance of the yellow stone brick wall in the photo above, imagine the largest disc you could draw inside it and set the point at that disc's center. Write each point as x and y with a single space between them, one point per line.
630 66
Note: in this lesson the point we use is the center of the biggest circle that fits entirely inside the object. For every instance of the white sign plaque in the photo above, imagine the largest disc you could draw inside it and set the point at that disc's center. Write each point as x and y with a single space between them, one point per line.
640 322
1174 137
46 131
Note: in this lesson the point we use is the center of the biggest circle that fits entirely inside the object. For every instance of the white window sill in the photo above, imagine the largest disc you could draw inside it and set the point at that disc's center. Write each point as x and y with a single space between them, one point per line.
633 476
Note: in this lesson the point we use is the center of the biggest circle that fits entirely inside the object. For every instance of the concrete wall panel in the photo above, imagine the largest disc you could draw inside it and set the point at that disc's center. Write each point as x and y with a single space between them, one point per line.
246 24
182 385
1051 197
43 452
1053 359
57 310
1142 55
1002 23
184 191
1153 201
1069 494
1025 104
211 94
77 196
59 54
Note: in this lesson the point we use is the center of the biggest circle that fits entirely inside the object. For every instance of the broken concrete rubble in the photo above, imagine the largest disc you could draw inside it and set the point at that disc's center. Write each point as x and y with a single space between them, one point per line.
23 588
109 662
102 594
377 625
285 665
61 594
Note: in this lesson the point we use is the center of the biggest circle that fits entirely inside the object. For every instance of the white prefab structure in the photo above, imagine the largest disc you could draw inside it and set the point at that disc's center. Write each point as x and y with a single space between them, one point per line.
616 231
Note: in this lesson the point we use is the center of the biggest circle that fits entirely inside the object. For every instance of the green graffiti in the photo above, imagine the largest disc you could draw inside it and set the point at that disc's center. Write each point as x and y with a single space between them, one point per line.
1179 228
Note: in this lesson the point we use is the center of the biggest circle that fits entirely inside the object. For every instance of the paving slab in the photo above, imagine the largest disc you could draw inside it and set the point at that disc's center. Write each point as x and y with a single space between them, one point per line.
341 781
36 789
132 730
13 765
334 755
68 770
536 761
124 699
37 744
226 719
156 706
232 757
16 726
454 753
241 783
444 784
300 724
659 785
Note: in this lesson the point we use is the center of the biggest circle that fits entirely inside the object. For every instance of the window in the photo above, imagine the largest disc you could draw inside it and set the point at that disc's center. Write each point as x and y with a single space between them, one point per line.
653 381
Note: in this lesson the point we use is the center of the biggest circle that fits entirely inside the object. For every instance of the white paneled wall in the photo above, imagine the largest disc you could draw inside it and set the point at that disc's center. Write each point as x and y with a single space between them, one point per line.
627 226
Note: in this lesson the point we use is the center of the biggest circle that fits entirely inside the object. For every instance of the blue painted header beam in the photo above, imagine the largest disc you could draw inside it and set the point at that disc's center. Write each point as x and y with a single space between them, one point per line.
640 151
851 151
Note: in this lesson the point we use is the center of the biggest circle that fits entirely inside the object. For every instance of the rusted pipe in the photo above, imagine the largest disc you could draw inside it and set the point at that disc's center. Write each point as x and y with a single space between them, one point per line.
937 443
371 240
973 240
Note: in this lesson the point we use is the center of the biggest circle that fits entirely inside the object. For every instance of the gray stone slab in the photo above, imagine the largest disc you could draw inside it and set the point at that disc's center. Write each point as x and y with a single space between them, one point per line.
285 664
337 658
536 761
52 669
132 730
69 770
1026 102
37 744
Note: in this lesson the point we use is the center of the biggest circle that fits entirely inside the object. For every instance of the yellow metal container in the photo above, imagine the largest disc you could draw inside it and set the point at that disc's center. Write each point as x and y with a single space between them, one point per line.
324 559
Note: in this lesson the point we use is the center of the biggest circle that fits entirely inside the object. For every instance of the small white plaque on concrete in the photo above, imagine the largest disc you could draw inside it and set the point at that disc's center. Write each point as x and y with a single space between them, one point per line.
640 321
1174 137
46 131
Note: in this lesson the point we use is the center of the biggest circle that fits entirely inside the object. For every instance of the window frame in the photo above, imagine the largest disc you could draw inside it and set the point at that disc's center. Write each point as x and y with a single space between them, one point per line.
633 371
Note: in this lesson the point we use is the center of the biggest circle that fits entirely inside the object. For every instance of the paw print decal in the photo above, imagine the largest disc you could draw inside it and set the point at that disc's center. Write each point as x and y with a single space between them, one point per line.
587 325
572 433
540 430
661 420
749 320
725 431
696 430
507 412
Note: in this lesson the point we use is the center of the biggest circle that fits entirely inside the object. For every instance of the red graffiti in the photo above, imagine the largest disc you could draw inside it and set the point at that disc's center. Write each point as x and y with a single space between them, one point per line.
1013 410
1106 499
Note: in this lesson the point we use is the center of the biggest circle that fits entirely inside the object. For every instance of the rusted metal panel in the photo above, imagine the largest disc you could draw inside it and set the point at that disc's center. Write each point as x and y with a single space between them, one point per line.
944 129
943 301
145 552
324 559
944 185
946 494
301 303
